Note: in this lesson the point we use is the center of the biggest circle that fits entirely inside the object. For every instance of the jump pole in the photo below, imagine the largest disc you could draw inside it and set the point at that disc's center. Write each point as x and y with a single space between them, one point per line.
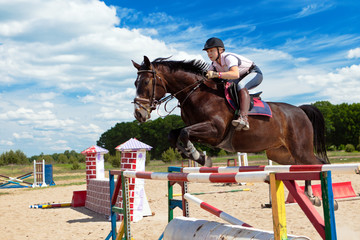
262 176
213 192
51 205
213 210
334 168
17 181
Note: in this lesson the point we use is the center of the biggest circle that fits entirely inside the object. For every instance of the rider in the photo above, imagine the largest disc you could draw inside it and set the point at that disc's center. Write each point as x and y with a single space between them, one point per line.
234 67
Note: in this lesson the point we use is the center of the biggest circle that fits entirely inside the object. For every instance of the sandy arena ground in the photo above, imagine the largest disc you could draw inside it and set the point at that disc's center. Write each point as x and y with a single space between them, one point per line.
17 221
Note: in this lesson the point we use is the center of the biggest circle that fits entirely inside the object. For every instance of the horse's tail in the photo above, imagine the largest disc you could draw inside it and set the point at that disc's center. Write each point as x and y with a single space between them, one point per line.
318 123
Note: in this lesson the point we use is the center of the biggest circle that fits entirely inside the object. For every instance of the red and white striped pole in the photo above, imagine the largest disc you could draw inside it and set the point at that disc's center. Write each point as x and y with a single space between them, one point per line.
213 210
335 168
200 177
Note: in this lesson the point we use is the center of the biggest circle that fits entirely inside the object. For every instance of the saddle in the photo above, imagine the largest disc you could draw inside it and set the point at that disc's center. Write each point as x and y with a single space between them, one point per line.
233 94
257 106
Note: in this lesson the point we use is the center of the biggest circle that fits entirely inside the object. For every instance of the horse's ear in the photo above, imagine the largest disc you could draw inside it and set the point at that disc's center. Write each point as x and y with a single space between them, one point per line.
137 66
147 62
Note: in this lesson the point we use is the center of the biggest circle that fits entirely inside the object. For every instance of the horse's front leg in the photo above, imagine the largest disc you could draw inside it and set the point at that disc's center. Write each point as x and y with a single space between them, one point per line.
198 132
309 193
173 138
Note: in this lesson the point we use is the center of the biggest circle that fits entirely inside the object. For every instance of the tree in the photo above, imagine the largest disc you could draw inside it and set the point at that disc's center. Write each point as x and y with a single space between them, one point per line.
341 122
21 157
63 158
170 155
153 133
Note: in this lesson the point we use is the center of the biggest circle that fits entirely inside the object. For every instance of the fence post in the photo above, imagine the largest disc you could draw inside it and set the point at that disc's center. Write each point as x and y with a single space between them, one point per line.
278 207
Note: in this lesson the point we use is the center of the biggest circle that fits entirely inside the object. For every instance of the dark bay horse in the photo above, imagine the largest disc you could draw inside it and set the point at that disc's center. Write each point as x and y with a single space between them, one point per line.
289 137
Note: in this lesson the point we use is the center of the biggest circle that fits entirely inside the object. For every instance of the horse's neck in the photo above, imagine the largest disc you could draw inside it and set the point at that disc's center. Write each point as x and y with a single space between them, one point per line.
180 84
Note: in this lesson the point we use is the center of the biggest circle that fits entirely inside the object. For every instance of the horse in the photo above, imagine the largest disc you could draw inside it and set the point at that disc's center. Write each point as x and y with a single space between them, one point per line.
292 136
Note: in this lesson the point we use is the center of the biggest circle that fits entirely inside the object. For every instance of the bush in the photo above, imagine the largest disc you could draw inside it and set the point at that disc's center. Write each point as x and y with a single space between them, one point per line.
358 147
341 147
170 155
115 161
332 148
222 153
349 148
75 165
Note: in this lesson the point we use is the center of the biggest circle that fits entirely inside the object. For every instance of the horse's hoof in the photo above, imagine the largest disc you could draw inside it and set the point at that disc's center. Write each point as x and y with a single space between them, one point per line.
208 162
336 205
317 202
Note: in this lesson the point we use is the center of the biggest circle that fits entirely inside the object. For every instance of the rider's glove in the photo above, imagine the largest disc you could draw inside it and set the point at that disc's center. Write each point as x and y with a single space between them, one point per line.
212 74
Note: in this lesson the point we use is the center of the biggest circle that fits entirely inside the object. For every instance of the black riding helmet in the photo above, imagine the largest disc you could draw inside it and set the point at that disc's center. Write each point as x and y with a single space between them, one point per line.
214 42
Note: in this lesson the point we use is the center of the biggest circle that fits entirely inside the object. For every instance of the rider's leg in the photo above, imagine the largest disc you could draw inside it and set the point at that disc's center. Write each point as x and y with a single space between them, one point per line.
244 103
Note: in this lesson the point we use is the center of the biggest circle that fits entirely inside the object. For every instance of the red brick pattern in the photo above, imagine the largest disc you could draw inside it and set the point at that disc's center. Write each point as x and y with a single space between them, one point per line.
128 162
90 166
98 196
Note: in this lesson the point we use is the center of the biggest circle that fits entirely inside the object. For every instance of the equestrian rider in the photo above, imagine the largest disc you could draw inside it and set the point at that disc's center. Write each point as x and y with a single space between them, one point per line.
236 68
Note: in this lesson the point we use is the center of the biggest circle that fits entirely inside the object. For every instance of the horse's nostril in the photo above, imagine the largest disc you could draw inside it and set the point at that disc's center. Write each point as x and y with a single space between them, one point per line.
137 114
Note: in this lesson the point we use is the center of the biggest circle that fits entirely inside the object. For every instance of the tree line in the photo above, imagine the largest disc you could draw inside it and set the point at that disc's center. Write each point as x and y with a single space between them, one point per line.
19 157
342 123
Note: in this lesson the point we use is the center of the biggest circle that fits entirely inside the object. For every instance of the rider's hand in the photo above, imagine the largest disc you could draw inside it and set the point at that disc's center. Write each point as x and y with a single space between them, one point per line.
212 74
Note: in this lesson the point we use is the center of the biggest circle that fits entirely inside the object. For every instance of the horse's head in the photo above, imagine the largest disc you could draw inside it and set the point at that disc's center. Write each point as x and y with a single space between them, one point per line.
149 89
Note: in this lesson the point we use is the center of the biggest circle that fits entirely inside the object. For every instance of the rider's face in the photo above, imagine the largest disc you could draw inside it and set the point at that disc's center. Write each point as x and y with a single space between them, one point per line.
212 53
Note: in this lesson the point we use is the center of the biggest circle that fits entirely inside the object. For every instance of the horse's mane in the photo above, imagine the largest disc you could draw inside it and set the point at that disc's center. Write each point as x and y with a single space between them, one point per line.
197 67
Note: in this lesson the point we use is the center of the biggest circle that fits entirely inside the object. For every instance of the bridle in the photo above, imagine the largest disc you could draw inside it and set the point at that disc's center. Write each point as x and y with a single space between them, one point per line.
152 102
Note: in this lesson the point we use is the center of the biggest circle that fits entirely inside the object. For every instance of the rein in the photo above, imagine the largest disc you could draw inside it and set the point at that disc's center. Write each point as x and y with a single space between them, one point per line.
153 103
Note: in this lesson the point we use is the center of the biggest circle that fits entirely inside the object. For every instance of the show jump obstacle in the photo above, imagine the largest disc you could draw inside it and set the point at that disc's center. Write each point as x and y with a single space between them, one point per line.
43 177
278 177
133 157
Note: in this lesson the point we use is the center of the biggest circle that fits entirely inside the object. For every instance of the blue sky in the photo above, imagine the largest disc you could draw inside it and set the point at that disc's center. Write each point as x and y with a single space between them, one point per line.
66 75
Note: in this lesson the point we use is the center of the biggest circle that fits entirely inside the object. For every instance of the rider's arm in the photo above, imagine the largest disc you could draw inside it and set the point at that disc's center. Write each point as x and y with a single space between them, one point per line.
233 73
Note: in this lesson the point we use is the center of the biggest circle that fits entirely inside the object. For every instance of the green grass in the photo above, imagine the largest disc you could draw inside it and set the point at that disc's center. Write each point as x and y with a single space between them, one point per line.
345 160
342 153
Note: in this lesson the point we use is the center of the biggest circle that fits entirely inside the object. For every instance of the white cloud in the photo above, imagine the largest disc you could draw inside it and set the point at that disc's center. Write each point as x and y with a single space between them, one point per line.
37 19
339 86
61 142
6 143
354 53
44 119
23 135
44 96
313 9
48 104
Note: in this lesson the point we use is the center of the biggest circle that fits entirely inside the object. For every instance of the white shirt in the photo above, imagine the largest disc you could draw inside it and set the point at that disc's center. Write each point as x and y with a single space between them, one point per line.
229 60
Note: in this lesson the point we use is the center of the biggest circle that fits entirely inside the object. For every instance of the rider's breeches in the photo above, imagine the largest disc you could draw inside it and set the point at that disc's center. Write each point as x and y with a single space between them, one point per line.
250 81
